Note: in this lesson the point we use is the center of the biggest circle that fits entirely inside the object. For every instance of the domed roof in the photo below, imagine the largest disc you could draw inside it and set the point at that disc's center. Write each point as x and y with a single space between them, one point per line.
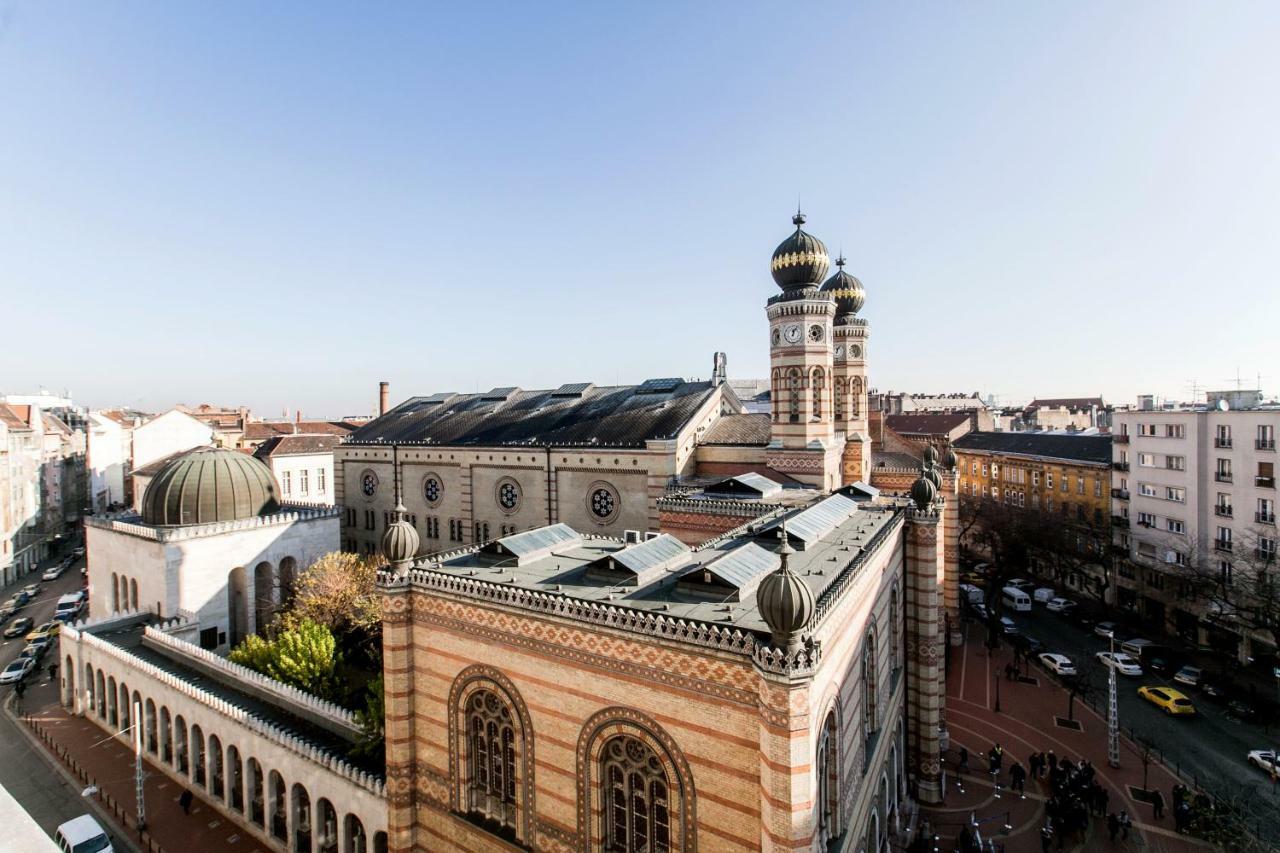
848 292
209 484
923 492
931 474
930 456
400 541
785 601
800 260
949 457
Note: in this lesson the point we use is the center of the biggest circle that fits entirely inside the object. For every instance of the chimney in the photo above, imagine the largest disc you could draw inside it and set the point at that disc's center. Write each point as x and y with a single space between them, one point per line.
384 396
298 417
719 370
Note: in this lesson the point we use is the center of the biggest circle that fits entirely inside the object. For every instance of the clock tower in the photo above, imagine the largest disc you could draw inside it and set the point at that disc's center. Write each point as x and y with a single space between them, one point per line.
803 435
849 371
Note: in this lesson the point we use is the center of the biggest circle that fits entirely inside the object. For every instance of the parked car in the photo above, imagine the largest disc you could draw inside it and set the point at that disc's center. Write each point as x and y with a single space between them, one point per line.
1105 629
1242 710
1161 665
1265 760
32 590
1008 626
53 573
1020 583
1028 643
980 610
17 670
35 650
1219 691
1188 675
1167 699
1043 595
1061 664
1060 605
19 627
971 593
47 631
77 551
83 835
1119 661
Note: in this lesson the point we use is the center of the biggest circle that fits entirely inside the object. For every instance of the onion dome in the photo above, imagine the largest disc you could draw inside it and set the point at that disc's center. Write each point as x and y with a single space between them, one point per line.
931 474
847 291
949 459
785 601
400 541
923 492
800 260
209 485
930 456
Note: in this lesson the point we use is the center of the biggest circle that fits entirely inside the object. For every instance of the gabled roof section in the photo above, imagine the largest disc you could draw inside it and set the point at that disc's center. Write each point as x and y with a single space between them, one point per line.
860 491
739 430
926 423
535 544
642 563
749 485
296 445
502 394
741 570
808 528
1091 449
619 416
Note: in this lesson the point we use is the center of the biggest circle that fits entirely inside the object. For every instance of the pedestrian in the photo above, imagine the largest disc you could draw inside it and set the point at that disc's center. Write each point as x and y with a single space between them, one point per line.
1053 760
1125 823
1104 800
1113 826
963 763
185 800
53 671
1157 805
1034 763
1046 835
1018 779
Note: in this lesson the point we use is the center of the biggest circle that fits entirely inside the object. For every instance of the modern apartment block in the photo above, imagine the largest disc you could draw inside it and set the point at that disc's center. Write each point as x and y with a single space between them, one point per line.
1194 500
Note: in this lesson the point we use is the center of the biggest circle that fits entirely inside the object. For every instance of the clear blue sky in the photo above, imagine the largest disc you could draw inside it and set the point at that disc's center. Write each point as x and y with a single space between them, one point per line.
280 204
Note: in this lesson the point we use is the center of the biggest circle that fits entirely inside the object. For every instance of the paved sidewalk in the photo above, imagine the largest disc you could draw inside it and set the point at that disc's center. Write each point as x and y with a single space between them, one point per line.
1027 723
97 758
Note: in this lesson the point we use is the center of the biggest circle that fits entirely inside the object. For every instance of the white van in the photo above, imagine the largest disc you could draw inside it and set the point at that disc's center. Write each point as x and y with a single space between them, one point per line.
1044 594
69 606
82 835
1015 599
971 593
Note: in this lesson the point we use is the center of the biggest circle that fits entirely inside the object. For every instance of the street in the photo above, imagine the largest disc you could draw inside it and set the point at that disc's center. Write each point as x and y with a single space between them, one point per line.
1210 747
25 772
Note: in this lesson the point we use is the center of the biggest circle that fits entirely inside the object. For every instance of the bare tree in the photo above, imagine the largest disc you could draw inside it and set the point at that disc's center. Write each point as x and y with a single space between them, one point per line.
1239 584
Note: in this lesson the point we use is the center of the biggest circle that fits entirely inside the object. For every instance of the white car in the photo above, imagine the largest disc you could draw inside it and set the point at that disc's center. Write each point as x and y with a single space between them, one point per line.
1058 605
1122 663
83 834
1061 664
52 574
1043 595
1264 760
17 670
1105 629
1020 583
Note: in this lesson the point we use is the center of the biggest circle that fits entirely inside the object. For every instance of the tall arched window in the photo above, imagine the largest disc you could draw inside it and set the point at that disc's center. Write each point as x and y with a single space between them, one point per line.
775 394
895 651
793 394
817 380
869 722
491 734
637 802
828 768
855 397
839 399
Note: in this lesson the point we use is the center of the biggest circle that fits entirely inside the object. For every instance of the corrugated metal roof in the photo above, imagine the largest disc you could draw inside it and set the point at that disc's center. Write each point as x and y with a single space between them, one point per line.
821 518
743 567
534 544
651 559
752 481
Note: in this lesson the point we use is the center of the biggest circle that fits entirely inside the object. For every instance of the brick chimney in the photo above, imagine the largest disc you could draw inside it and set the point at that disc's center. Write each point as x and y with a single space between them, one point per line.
384 397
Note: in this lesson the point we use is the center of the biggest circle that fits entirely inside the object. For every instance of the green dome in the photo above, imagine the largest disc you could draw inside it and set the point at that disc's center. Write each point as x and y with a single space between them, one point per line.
208 485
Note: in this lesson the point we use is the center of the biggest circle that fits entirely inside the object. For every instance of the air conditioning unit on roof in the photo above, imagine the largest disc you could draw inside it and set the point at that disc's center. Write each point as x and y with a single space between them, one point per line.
631 537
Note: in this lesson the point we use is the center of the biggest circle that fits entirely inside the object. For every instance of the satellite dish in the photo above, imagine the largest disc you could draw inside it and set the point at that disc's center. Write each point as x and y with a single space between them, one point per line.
1223 405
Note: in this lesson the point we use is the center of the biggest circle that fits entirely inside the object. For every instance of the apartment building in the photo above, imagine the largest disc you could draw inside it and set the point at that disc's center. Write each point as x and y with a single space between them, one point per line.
1194 497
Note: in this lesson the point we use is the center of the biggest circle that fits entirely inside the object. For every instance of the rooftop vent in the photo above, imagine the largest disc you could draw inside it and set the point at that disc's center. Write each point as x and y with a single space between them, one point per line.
573 389
500 394
659 386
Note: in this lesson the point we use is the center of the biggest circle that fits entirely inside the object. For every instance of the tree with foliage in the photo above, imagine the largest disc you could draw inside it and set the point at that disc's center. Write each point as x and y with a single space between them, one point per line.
340 591
304 655
372 720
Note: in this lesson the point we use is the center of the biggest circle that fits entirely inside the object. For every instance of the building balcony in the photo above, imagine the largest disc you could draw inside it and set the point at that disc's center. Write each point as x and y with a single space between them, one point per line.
1265 444
1120 494
1120 437
1224 443
1265 482
1120 466
1222 545
1264 517
1119 521
1224 511
1222 476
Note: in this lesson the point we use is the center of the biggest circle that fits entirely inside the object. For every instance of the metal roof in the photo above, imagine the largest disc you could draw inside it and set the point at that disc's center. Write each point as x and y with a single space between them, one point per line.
820 519
659 386
648 560
500 393
535 544
743 567
749 481
573 389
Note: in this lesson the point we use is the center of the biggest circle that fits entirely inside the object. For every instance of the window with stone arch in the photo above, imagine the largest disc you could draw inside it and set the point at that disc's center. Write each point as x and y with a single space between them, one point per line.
818 380
839 398
491 753
895 644
793 394
635 790
870 723
830 825
776 386
855 397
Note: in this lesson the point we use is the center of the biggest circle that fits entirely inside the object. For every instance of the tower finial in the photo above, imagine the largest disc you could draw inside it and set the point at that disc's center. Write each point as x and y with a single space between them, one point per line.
840 260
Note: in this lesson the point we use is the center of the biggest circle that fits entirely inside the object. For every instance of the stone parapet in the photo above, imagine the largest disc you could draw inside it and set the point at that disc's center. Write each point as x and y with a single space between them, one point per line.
132 524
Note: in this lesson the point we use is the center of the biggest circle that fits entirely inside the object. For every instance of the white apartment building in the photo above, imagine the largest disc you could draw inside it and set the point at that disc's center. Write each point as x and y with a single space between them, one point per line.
1194 499
303 465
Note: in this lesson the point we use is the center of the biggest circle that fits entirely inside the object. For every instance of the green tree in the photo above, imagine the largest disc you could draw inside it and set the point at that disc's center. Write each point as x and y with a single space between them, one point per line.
372 720
339 591
304 655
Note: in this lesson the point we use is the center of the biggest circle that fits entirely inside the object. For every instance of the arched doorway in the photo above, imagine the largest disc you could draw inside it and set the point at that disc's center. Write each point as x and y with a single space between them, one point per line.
237 606
301 819
264 605
215 767
326 827
257 801
288 574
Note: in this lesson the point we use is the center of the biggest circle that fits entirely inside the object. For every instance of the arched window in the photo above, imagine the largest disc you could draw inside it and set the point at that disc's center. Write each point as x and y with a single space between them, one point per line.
818 381
637 801
793 394
775 394
215 767
69 683
115 592
288 574
125 717
235 787
327 827
855 398
895 650
112 716
257 797
237 607
354 835
839 398
491 735
301 819
166 736
101 693
180 738
279 814
869 722
264 602
828 768
133 594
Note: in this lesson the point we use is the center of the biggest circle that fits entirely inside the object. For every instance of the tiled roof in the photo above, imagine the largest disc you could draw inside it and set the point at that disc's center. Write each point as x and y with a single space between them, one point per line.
881 459
1066 403
1095 449
11 418
619 416
270 429
739 430
296 445
926 423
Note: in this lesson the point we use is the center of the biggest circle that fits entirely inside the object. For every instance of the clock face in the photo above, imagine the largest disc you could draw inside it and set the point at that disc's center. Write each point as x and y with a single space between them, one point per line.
855 351
792 334
815 333
777 336
839 350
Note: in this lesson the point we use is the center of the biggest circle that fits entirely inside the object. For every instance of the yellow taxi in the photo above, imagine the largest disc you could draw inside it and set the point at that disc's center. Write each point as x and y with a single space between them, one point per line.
47 631
1168 699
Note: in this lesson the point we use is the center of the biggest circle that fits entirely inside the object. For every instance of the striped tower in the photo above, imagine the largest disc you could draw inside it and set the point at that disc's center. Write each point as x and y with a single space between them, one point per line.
924 647
950 580
398 701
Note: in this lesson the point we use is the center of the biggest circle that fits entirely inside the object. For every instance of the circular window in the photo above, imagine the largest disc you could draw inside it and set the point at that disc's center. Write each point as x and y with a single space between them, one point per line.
855 351
508 495
602 501
431 489
368 484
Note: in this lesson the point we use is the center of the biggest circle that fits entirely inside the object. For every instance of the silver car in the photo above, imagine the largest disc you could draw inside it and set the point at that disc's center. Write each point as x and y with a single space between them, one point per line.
17 670
1061 664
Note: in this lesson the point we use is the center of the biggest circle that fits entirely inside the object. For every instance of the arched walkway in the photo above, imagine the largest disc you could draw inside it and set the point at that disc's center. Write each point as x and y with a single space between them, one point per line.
237 606
215 767
264 602
300 817
326 827
354 834
152 742
278 806
180 744
166 737
197 756
257 794
235 781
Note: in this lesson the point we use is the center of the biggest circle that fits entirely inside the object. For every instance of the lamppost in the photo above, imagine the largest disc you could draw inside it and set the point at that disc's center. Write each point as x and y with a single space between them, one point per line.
1113 716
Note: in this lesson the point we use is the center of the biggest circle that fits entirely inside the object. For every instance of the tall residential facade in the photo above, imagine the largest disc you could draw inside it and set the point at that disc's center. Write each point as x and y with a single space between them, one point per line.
1194 492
